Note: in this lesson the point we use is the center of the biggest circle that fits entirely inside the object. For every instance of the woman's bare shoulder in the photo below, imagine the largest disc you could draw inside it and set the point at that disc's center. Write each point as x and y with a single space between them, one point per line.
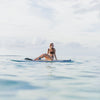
54 48
48 49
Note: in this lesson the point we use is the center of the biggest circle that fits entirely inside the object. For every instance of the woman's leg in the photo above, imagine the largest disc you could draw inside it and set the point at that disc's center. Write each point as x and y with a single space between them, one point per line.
46 56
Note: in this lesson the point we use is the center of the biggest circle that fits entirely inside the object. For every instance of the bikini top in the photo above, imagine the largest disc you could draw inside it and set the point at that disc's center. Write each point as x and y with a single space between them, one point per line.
51 52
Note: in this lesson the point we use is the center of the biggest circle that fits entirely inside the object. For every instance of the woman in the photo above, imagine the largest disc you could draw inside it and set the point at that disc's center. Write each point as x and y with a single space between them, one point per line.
51 53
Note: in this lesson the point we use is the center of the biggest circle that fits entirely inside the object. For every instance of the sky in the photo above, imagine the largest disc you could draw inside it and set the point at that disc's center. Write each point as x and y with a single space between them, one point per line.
33 24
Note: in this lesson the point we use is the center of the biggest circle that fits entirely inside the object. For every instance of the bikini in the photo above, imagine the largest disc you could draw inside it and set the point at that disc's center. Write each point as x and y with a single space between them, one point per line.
52 53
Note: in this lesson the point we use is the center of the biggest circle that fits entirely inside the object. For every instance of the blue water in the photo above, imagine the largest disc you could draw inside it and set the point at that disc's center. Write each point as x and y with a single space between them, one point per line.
79 80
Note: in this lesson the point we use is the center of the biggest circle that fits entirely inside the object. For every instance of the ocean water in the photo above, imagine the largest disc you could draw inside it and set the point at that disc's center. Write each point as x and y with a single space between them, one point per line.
78 80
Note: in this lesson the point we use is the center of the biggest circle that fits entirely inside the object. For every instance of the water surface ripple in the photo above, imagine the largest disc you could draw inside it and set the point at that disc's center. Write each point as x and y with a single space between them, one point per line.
79 80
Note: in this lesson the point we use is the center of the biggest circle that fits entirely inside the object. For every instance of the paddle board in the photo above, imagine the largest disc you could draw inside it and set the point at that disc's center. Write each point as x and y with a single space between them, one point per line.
29 59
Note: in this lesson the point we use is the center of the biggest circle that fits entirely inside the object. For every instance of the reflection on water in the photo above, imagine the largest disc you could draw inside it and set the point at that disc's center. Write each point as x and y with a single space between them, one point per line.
79 80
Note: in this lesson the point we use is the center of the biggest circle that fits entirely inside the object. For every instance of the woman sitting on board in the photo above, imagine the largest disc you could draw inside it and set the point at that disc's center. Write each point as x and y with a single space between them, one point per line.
51 53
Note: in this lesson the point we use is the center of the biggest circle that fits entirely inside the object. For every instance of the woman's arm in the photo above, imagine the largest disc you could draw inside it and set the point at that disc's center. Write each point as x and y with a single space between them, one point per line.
48 51
55 55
